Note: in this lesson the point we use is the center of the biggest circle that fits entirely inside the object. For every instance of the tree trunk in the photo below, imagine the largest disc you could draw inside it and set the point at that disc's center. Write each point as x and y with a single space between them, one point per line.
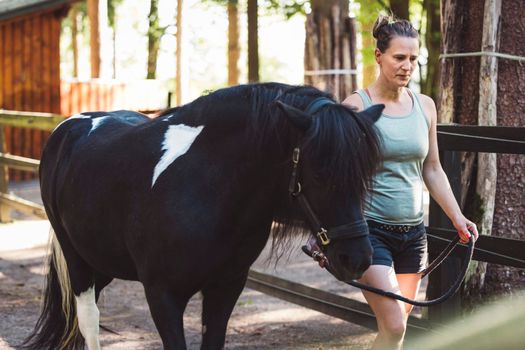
400 8
461 26
154 35
112 21
487 172
178 53
467 103
253 42
330 48
429 85
461 23
73 15
233 42
94 37
509 214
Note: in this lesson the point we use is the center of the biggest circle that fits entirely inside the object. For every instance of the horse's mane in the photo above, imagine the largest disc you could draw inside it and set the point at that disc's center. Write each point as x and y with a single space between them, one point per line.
346 148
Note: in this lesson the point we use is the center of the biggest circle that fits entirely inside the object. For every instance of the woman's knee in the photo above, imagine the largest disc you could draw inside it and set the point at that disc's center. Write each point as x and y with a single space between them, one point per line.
394 330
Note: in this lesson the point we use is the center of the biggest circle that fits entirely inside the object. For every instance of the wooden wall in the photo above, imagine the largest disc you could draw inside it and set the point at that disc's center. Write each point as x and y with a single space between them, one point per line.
145 96
29 76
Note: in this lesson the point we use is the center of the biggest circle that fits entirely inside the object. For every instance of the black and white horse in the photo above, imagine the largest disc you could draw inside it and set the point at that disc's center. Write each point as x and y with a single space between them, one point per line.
185 203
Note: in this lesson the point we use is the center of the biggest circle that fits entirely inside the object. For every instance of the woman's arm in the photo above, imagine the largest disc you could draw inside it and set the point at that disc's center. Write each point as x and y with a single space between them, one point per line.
436 180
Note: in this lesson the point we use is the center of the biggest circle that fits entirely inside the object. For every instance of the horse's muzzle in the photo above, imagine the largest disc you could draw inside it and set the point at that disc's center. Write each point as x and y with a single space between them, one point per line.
350 257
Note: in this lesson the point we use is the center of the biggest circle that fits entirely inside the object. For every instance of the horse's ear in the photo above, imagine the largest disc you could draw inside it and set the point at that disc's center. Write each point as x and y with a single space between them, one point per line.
298 118
373 112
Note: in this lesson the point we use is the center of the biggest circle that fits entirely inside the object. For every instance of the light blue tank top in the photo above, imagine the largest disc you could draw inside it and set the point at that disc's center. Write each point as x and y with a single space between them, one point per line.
397 193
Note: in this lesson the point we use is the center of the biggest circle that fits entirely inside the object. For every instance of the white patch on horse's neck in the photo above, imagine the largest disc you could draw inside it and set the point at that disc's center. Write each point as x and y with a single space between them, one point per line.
73 117
177 141
88 318
96 122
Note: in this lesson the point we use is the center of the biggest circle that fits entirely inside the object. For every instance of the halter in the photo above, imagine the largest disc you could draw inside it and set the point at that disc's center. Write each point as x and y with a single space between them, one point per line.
352 230
316 104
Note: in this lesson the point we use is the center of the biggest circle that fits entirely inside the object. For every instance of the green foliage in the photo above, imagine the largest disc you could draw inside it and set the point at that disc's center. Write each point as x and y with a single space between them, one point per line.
366 16
112 8
289 8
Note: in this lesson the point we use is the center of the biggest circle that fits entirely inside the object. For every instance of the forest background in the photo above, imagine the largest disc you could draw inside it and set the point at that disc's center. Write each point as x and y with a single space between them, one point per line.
139 39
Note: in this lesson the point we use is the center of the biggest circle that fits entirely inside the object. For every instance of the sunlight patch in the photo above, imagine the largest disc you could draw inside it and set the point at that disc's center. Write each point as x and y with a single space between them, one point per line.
177 141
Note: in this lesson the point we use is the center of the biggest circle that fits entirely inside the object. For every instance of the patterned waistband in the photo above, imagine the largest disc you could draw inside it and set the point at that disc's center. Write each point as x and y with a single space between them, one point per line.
392 227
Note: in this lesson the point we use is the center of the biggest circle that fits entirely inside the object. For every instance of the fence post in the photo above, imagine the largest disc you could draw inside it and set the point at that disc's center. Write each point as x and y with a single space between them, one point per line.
445 275
5 211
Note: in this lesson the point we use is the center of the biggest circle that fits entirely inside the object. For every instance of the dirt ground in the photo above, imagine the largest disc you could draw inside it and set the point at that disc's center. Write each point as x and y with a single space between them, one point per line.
258 321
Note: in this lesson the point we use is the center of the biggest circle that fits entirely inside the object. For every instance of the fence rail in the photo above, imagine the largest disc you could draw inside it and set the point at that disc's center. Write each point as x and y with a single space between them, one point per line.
32 120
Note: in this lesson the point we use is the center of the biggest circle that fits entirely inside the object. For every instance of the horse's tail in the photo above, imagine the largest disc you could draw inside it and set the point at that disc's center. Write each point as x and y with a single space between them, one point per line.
57 326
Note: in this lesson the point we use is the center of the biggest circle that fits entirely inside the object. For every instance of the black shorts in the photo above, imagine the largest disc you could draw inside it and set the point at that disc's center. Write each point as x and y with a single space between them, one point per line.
405 251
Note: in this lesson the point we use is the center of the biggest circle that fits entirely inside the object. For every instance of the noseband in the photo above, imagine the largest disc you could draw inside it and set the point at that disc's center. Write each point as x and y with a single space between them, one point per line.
351 230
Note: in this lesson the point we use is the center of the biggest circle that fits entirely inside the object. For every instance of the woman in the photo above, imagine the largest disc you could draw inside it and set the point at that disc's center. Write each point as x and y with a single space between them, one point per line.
394 208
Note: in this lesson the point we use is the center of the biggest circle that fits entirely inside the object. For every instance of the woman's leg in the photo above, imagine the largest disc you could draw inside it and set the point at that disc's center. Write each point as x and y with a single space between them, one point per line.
409 285
391 314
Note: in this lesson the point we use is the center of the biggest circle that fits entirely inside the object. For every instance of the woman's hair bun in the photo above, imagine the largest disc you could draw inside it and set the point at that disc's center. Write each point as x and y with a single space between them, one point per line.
382 21
387 27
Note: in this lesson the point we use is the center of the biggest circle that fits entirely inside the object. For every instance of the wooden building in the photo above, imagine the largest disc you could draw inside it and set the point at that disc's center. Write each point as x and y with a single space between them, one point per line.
30 75
30 54
30 67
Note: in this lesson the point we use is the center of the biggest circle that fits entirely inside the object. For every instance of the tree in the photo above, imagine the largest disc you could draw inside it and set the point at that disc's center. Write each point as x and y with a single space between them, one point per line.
400 8
327 57
155 33
366 17
73 17
178 67
466 96
112 22
232 7
94 36
98 20
429 82
233 42
253 42
509 208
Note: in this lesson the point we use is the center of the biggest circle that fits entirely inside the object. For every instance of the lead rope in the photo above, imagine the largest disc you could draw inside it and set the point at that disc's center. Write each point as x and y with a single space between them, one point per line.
294 189
451 291
441 257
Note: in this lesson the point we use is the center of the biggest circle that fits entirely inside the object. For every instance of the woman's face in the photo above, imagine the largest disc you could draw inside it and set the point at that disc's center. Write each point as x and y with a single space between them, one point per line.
399 61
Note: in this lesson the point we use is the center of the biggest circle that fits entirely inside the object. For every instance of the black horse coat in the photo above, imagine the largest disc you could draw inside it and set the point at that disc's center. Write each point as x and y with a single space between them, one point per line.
185 202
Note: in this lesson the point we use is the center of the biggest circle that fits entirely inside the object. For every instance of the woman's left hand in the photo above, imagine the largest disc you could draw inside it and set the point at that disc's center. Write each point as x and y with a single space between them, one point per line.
465 228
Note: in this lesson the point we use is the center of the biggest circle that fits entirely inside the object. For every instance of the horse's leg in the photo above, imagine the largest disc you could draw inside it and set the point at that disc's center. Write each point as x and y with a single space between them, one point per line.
217 306
167 310
88 317
82 278
100 282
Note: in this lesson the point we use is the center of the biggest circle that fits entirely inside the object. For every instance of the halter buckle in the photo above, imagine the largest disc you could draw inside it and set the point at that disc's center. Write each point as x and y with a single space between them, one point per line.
295 156
297 189
323 236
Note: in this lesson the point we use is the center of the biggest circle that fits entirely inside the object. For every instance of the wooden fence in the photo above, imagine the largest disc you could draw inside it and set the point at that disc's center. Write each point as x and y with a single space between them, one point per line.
43 122
496 250
451 138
